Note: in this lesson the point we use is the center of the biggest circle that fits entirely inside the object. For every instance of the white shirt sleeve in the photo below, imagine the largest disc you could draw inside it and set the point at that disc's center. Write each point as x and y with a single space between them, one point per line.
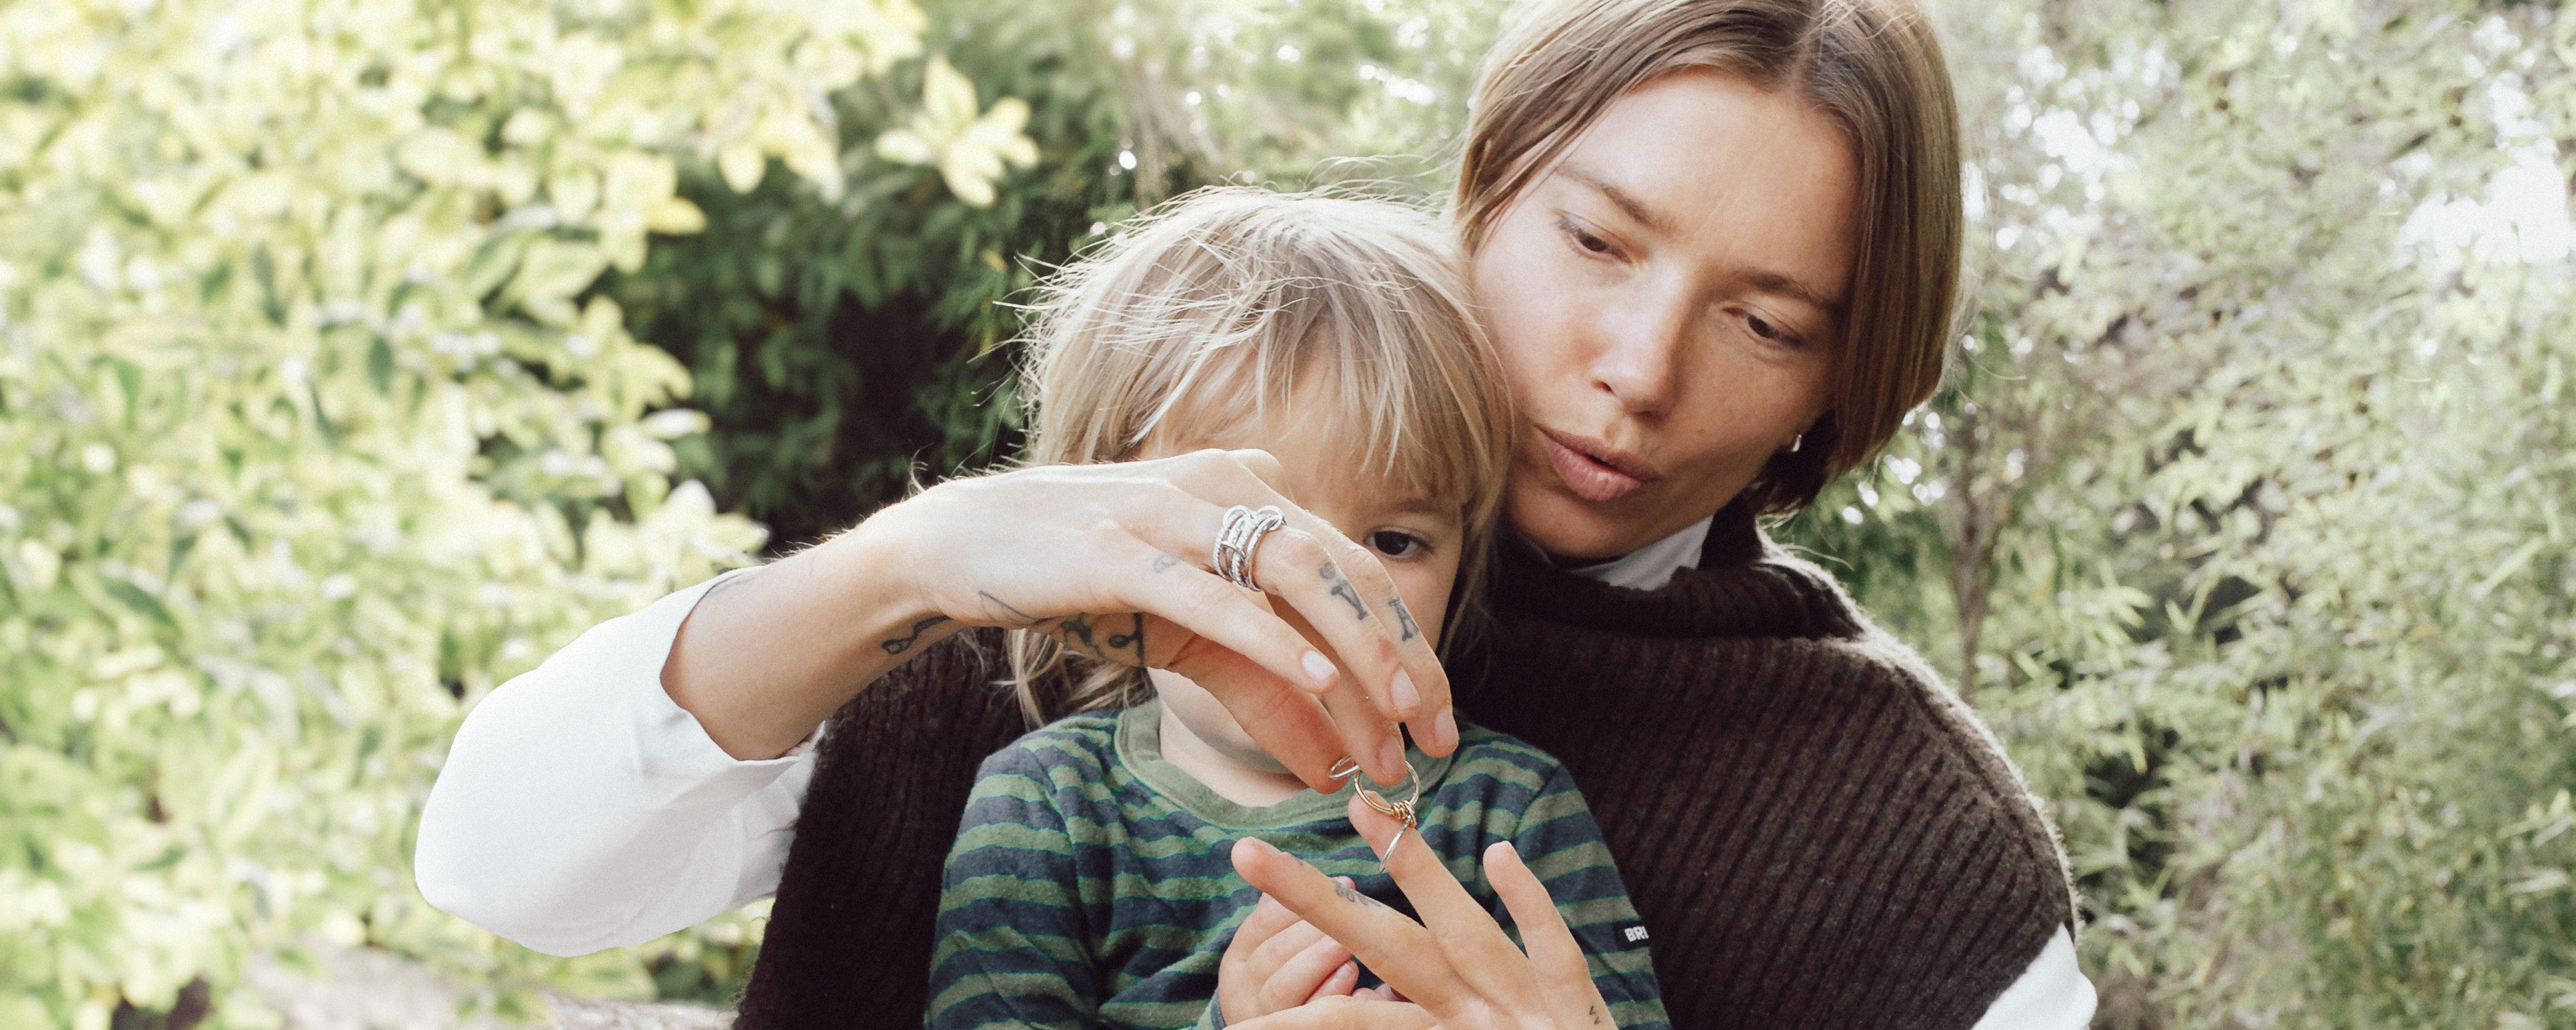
2051 995
582 809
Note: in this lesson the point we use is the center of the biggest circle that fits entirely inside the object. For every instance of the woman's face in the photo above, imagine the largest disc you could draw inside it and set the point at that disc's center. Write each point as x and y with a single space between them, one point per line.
1666 299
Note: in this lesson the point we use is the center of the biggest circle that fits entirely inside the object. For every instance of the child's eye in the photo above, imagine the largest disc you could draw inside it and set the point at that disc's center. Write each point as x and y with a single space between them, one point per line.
1397 544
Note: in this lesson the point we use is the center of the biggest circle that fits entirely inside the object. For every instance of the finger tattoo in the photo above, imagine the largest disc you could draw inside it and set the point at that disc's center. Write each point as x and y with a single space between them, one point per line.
1164 562
1345 892
901 644
1343 589
1403 618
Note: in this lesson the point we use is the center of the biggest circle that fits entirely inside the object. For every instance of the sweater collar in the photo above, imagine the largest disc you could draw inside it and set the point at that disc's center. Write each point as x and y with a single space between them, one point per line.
1743 586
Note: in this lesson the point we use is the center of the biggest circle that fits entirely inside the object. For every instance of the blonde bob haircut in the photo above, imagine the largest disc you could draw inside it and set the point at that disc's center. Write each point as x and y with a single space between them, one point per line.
1223 305
1873 66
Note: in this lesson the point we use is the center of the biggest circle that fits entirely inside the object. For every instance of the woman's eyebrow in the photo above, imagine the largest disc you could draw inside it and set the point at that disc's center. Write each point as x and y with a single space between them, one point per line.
1763 279
1626 202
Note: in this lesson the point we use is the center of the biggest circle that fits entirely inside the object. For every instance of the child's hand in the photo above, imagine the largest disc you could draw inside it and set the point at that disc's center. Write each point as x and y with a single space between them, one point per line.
1277 962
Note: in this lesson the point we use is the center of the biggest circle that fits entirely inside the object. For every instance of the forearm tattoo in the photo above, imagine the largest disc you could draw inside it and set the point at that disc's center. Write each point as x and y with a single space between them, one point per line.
1342 588
1403 619
901 644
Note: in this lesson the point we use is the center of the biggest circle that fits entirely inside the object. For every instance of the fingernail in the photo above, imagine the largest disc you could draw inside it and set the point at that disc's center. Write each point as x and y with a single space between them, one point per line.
1444 728
1320 669
1390 755
1401 690
1343 880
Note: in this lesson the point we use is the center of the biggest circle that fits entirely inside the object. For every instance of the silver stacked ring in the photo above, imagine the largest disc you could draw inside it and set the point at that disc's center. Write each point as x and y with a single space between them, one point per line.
1238 536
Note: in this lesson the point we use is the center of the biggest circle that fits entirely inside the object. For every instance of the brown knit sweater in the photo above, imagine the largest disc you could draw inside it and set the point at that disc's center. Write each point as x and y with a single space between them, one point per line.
1816 832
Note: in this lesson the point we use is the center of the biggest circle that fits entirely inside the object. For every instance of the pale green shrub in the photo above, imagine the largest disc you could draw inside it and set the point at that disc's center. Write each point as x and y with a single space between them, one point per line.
310 435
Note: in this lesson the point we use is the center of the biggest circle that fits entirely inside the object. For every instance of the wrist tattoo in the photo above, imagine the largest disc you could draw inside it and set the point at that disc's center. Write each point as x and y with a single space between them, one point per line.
1404 619
901 644
1132 639
1342 588
1076 631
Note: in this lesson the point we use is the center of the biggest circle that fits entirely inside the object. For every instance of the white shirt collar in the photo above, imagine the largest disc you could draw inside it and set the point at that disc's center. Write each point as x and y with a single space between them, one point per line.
1648 567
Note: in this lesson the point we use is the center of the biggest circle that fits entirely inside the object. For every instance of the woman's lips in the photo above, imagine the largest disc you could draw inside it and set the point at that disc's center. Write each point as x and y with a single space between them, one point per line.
1591 478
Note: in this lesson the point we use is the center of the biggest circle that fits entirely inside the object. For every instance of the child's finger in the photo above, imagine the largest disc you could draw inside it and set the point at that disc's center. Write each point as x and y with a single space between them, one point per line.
1306 972
1242 979
1344 979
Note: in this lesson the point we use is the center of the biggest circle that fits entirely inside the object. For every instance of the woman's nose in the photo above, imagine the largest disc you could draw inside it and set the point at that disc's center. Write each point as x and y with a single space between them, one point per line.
1639 360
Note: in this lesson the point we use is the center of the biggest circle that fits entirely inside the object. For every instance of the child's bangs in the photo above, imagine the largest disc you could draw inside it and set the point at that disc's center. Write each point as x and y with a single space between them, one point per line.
1411 398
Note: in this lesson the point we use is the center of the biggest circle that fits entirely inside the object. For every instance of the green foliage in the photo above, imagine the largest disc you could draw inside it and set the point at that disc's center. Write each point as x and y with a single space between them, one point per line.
2244 517
844 343
311 431
337 382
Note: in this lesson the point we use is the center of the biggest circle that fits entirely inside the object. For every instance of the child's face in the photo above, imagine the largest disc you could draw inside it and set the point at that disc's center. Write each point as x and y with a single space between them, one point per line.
1417 540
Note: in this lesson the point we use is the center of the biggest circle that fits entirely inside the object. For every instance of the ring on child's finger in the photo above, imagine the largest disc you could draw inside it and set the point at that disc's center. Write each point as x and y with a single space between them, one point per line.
1238 535
1407 811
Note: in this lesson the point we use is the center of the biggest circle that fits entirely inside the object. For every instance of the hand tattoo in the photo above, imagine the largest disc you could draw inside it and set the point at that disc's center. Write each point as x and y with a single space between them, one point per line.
1404 619
901 644
1164 562
1017 619
1343 589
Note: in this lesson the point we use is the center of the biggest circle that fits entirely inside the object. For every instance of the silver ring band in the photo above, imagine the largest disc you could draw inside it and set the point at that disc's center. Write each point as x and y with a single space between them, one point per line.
1238 536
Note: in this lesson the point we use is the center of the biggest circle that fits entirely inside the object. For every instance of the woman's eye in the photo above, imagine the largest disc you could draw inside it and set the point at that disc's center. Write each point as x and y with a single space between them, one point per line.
1765 329
1394 544
1586 240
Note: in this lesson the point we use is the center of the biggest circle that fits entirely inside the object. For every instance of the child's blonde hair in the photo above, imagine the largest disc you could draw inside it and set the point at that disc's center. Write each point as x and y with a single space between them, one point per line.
1214 307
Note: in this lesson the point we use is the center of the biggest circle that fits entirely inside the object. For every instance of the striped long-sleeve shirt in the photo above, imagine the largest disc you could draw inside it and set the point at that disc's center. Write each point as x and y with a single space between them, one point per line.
1090 882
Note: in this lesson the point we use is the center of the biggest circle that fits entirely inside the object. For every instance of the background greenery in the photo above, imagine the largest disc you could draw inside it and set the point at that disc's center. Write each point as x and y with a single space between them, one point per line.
354 354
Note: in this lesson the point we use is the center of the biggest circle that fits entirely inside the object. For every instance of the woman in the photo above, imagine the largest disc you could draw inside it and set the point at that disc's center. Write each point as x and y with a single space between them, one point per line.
1717 244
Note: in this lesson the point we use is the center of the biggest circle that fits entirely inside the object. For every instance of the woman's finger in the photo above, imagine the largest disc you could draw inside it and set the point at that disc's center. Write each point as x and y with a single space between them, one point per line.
1289 724
1346 1014
1338 586
1398 949
1551 945
1466 932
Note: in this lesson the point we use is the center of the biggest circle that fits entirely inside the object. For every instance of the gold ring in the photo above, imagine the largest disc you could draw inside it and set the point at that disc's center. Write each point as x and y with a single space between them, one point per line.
1407 811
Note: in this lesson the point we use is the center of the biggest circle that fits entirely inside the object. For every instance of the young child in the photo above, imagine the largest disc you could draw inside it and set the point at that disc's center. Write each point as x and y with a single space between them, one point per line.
1090 883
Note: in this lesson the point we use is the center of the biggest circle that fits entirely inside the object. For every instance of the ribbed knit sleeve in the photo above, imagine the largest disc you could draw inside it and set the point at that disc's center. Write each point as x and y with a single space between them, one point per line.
1011 939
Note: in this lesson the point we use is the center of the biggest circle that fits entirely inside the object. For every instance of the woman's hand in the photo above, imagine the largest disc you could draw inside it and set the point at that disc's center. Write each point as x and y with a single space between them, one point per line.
1456 968
1054 548
1277 962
